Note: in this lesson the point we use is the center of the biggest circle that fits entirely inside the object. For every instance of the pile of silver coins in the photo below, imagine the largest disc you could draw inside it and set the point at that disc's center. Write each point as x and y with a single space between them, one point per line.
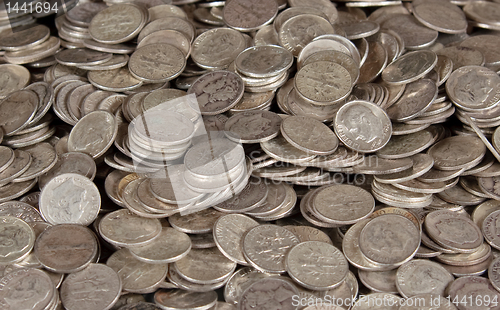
249 155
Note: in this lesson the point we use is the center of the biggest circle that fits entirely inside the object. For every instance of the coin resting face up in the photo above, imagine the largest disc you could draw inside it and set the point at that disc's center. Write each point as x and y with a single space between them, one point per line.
363 126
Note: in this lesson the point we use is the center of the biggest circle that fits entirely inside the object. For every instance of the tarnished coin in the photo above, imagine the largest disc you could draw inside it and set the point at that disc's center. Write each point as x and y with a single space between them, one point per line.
94 134
266 241
114 80
185 300
396 234
217 91
169 247
342 204
72 162
70 198
117 24
489 229
252 126
205 266
282 292
19 239
14 77
379 281
25 38
228 232
441 16
43 157
240 16
137 276
301 29
155 63
82 14
323 82
308 261
473 88
278 148
421 276
195 223
457 152
414 34
252 196
453 231
410 67
309 135
123 228
35 286
66 248
82 56
174 23
417 97
464 287
102 292
217 48
21 163
17 110
363 126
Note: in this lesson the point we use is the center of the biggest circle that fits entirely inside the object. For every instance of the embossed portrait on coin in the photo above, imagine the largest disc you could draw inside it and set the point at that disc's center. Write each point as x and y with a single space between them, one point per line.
451 229
10 238
218 90
26 294
476 88
424 280
69 202
390 239
256 124
362 124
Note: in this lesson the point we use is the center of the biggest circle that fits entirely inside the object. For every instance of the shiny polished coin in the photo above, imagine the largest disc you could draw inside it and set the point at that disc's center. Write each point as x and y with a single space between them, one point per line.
363 126
70 199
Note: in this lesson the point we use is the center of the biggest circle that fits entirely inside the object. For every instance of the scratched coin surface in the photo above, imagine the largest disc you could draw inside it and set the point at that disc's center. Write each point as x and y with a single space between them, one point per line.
66 248
217 91
70 198
266 246
317 265
96 287
363 126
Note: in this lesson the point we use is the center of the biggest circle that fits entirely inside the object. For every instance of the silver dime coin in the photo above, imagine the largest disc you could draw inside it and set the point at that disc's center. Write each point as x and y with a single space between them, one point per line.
420 276
257 290
252 126
175 299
